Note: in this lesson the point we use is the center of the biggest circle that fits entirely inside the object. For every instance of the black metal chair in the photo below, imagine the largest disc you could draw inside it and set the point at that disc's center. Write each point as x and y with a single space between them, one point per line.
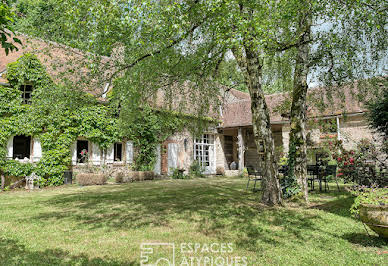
312 172
254 175
328 171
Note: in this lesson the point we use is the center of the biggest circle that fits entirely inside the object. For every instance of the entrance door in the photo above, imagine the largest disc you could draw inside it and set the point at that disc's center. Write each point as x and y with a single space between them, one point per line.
204 153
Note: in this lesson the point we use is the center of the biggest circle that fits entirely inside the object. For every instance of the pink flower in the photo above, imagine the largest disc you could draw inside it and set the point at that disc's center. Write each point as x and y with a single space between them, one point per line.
351 160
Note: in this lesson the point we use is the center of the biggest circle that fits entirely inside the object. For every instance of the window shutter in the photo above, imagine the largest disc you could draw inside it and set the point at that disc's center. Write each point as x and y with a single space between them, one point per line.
157 167
129 152
96 154
172 157
37 151
10 148
74 153
110 154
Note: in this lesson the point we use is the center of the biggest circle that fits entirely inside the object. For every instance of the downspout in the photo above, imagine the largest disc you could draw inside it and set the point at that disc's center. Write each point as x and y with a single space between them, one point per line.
338 129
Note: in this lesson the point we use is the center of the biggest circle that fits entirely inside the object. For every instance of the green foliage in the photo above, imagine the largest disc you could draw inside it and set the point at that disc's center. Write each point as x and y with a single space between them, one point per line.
372 196
7 42
378 115
196 169
289 184
56 116
366 165
178 174
147 128
18 169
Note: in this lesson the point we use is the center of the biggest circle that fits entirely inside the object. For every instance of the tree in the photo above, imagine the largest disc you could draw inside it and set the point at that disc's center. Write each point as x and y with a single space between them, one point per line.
6 20
161 45
341 56
378 115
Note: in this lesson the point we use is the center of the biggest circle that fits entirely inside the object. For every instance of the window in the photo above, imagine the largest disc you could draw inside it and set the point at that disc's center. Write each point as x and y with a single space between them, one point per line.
26 93
21 147
118 152
203 149
82 151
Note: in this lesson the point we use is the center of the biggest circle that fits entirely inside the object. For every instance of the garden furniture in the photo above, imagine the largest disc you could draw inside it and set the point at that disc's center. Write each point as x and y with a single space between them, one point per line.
254 175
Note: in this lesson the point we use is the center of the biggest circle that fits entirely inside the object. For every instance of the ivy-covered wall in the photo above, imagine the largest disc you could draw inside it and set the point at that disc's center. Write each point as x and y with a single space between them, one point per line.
58 115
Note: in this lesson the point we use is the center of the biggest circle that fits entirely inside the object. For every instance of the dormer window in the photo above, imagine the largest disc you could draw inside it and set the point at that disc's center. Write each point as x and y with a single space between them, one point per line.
26 93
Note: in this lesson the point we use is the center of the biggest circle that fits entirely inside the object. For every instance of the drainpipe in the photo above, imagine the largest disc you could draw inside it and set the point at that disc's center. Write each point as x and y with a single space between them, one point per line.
338 129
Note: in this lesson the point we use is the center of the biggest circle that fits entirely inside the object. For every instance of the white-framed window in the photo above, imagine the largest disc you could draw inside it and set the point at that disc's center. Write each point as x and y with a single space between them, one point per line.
26 93
21 147
82 151
118 152
203 150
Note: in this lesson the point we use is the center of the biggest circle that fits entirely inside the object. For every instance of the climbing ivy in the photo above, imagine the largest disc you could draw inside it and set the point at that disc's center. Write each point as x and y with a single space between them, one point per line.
58 114
147 128
289 183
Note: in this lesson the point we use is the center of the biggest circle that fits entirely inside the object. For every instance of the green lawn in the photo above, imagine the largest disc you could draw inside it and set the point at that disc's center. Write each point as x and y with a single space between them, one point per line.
106 225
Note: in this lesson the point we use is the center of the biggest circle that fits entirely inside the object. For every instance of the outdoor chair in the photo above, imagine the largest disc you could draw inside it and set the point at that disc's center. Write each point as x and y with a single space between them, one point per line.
323 173
254 175
312 172
330 170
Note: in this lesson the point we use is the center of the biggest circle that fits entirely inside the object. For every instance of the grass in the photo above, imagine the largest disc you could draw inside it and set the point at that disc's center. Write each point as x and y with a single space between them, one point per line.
105 225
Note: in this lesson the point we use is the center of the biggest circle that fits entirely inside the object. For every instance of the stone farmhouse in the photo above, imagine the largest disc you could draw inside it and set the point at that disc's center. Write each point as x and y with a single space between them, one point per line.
229 141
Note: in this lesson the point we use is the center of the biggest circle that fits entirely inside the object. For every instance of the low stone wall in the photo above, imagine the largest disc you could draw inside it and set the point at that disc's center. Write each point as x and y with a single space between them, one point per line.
133 176
87 179
230 173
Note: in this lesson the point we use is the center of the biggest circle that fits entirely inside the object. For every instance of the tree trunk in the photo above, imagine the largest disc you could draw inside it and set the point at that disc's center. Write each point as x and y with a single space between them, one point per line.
297 144
2 181
262 129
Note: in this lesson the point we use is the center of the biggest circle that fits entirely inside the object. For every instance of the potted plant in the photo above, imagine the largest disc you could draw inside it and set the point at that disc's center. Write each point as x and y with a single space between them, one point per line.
371 206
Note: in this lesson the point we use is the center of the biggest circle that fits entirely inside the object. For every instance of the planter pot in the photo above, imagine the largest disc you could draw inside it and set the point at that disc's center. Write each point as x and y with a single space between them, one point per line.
376 217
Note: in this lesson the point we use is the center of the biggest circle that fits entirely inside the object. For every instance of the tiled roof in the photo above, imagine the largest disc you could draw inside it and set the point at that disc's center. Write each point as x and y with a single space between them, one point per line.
236 108
344 101
61 63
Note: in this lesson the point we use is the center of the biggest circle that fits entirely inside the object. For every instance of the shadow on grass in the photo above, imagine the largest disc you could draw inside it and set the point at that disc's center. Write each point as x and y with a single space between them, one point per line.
365 240
224 210
217 209
13 253
339 203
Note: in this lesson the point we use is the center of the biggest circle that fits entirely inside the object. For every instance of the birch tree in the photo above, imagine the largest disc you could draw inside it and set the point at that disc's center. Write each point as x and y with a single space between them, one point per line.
347 35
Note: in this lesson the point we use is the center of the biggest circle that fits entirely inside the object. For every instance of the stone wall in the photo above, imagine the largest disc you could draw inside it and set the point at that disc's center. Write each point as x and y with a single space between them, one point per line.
353 129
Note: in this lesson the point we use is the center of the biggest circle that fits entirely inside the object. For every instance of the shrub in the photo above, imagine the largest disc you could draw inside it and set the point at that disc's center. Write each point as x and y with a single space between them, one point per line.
378 114
87 179
365 166
196 170
371 196
178 174
119 177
